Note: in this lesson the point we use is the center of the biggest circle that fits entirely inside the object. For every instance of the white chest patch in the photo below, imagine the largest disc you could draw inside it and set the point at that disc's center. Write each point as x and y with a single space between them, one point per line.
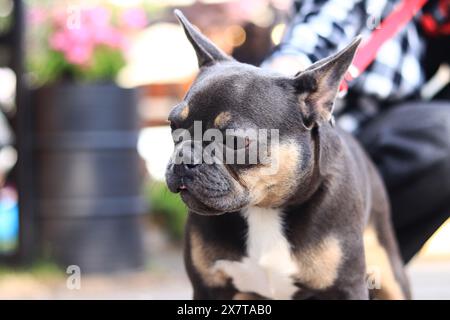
269 265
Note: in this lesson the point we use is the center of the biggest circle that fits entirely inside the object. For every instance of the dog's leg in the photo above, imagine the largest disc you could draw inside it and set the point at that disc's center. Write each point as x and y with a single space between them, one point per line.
386 273
385 266
248 296
200 257
225 293
351 282
354 292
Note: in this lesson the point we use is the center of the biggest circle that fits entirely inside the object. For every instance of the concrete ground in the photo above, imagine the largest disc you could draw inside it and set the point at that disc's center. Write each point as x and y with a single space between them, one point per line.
430 278
166 279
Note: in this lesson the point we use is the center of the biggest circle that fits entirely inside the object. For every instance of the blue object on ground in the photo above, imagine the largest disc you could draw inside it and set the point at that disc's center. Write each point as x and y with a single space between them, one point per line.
9 221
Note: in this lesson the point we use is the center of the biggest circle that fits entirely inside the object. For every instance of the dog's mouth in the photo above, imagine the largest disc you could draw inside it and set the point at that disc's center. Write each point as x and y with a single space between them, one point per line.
196 205
210 205
208 192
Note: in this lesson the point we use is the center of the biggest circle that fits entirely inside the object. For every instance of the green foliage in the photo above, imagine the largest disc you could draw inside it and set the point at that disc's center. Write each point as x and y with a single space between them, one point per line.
167 208
46 67
41 269
106 64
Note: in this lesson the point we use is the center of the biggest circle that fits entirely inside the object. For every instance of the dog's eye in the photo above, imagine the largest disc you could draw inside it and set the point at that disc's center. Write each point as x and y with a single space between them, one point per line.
236 142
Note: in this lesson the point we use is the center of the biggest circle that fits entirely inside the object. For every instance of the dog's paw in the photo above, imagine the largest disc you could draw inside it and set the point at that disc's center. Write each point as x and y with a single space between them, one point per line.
246 275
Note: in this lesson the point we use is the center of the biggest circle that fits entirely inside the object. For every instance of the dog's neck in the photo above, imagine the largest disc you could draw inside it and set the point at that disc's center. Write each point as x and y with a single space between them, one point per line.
315 178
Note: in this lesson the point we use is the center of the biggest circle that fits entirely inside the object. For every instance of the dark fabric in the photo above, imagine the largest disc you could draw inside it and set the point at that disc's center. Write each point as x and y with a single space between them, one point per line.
410 144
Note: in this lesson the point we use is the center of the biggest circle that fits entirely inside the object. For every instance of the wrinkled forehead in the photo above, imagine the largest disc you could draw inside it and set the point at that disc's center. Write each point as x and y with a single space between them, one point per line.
227 96
222 86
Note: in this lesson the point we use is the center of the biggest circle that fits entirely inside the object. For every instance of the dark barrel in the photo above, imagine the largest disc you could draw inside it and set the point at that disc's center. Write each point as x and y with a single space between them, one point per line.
88 177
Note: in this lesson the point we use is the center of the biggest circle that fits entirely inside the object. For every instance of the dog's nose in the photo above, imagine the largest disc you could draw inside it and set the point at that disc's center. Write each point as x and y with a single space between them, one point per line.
182 168
191 166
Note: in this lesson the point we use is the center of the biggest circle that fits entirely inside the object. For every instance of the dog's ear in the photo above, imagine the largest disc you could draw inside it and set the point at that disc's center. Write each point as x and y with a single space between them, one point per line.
317 86
207 52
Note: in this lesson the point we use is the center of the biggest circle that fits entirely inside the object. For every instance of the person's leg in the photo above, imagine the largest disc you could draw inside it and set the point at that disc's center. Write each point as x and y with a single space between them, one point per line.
410 144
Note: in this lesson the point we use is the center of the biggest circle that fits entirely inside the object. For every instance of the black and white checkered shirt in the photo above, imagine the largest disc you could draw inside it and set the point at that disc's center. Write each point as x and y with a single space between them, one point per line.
321 27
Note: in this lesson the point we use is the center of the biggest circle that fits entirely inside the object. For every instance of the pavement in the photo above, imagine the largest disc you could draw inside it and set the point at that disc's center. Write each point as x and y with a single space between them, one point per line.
430 278
165 278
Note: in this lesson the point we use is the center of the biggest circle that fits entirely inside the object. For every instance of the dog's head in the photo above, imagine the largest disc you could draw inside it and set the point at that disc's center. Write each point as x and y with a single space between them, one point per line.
243 135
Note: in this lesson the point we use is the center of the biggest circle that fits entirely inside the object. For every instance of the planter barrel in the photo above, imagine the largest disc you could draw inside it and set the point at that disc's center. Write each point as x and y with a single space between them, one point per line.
87 177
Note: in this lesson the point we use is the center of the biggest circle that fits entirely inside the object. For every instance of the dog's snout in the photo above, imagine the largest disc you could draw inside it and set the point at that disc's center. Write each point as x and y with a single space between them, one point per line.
178 169
178 174
188 157
183 168
191 166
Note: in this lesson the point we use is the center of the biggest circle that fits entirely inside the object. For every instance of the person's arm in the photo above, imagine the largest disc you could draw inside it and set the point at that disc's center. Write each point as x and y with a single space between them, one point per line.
318 29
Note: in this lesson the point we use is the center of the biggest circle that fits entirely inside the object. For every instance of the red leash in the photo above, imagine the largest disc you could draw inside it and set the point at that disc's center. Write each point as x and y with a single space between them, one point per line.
388 28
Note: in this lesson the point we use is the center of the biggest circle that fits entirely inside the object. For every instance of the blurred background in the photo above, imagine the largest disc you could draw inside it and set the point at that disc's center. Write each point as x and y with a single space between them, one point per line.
86 87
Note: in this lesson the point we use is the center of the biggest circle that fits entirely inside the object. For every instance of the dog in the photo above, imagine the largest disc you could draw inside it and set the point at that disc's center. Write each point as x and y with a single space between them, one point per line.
315 227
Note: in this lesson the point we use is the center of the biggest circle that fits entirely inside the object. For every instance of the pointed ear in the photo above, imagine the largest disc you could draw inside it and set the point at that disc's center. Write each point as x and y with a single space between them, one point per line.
317 86
207 52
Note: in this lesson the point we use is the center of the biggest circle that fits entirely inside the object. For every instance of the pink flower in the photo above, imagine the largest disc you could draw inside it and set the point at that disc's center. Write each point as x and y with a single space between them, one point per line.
95 28
82 35
107 36
58 41
80 55
76 44
97 17
134 18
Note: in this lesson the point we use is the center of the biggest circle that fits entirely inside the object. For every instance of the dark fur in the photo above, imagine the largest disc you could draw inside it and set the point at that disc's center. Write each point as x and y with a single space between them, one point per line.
339 189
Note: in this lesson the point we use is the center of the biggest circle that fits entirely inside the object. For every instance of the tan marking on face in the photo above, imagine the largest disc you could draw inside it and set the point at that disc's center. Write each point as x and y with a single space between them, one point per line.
319 265
184 112
269 188
222 119
203 257
376 257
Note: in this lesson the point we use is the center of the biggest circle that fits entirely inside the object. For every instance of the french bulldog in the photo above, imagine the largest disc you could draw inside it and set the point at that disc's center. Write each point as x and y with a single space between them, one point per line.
316 226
